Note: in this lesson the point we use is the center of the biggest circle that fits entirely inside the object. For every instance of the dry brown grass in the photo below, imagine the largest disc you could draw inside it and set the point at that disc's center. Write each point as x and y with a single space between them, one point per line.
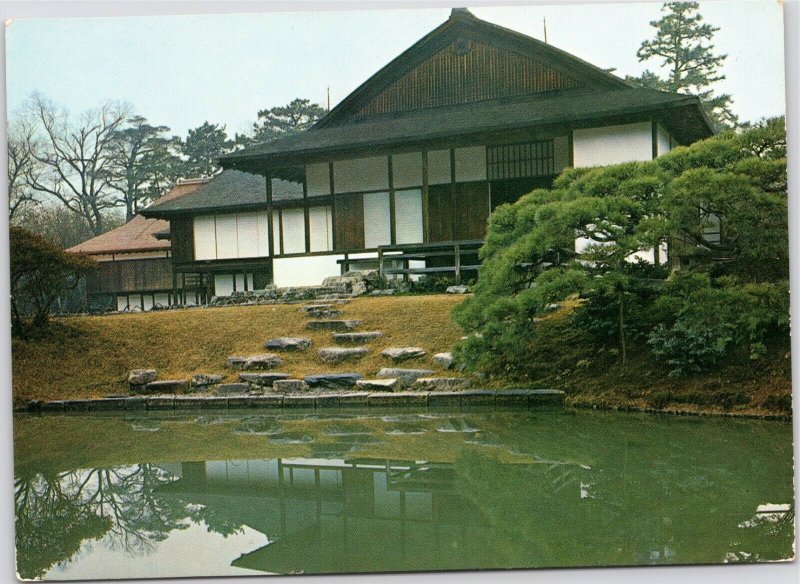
91 356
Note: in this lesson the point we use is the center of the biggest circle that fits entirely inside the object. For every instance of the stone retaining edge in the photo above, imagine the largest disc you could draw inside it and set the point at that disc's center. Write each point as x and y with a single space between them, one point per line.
467 398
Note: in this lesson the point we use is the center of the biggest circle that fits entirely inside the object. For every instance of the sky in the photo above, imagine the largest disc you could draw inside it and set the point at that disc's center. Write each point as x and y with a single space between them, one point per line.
180 71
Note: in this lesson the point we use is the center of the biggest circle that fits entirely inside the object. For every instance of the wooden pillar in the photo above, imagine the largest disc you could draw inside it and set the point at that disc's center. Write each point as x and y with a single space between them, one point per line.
333 204
270 227
392 205
571 149
654 138
426 235
453 210
306 218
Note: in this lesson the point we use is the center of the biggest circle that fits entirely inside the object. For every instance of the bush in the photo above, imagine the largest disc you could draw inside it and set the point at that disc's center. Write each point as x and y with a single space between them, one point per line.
689 350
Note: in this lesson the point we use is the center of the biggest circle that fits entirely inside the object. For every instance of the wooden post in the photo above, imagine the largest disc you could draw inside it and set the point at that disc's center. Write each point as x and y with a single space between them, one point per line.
270 227
392 205
452 194
333 204
306 218
458 263
380 264
426 236
654 138
571 149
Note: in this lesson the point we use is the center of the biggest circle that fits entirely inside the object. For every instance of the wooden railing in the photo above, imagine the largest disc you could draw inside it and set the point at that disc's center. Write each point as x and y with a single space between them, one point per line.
407 253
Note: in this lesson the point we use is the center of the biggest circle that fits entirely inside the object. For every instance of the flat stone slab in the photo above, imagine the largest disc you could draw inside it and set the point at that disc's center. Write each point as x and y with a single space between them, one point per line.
142 376
166 386
390 384
290 386
316 307
266 379
398 354
356 338
398 399
441 384
341 354
332 325
288 344
206 379
200 402
333 380
255 362
444 360
318 312
405 376
255 401
232 388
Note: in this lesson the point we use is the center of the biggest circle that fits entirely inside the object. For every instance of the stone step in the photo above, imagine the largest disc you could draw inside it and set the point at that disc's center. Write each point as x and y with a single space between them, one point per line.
319 312
332 325
166 386
340 354
290 386
355 338
142 376
444 360
263 379
405 376
232 389
333 380
254 362
440 384
315 307
398 354
390 384
288 344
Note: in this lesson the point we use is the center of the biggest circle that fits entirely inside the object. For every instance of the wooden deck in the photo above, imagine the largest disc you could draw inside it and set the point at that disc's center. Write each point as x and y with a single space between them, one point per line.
425 251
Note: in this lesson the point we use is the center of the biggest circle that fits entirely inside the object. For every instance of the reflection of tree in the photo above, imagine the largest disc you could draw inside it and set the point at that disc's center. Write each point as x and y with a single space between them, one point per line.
55 514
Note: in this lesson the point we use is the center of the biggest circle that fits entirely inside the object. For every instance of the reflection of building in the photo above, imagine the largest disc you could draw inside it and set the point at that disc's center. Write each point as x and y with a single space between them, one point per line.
339 516
134 263
414 160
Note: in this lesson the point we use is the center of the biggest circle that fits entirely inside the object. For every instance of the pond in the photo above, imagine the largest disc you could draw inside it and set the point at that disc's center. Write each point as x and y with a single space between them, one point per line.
124 496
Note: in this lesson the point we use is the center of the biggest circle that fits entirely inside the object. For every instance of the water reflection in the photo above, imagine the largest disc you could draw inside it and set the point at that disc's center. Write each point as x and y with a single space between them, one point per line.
622 497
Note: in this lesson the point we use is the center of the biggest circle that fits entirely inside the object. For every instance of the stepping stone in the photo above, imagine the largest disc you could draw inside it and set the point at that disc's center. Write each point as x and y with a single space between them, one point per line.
340 354
288 344
441 384
391 384
332 325
255 362
405 376
398 354
263 379
315 307
167 386
232 389
319 312
355 338
203 380
289 386
142 376
443 359
333 380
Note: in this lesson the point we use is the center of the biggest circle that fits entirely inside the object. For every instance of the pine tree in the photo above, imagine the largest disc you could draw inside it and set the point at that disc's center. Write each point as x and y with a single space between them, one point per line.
683 45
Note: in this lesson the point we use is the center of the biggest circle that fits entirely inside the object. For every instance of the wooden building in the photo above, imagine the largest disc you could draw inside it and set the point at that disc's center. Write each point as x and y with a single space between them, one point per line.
405 171
134 263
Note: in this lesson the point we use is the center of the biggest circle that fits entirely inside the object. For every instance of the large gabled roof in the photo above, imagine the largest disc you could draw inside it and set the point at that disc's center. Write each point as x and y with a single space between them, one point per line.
596 97
140 233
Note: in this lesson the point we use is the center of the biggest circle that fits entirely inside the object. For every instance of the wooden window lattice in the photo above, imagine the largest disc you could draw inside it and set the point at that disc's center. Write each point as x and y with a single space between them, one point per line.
520 160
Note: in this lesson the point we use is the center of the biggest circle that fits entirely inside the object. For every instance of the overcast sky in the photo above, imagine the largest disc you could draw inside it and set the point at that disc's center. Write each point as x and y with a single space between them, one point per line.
182 70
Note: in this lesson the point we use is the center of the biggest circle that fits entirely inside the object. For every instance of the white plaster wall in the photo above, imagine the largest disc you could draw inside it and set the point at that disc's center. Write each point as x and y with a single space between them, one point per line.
361 174
407 169
470 163
305 271
438 167
612 144
318 181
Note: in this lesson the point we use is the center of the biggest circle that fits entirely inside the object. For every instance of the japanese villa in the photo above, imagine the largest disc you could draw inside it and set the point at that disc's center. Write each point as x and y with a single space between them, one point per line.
404 172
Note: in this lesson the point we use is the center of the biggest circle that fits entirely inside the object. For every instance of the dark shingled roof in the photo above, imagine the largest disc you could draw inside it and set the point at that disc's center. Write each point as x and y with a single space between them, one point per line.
568 107
229 190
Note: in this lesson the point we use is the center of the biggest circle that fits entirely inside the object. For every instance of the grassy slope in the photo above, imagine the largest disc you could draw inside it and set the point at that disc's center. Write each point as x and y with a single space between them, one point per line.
91 356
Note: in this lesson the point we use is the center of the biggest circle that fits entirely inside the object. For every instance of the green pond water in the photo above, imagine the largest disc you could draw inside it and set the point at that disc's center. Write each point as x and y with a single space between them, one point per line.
252 493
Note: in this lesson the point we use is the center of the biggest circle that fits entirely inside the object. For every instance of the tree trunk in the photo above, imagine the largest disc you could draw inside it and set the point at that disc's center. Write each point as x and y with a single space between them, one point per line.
622 326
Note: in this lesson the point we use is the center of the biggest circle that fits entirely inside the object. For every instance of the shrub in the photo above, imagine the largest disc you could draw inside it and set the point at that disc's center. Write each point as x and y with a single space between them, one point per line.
687 349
